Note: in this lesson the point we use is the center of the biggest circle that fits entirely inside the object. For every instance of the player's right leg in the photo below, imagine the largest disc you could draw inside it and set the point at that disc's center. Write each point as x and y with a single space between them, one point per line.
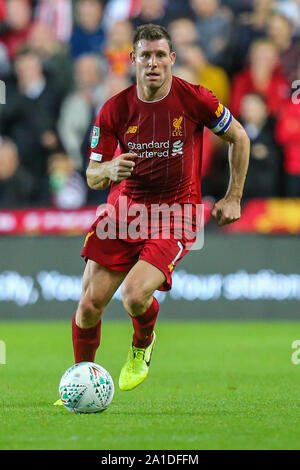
99 285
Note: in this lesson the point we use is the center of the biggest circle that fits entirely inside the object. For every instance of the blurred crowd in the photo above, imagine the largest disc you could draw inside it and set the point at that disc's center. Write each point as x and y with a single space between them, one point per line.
61 60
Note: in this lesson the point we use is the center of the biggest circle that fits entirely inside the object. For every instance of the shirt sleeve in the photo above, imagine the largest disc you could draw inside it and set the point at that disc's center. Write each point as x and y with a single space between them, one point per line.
215 115
103 139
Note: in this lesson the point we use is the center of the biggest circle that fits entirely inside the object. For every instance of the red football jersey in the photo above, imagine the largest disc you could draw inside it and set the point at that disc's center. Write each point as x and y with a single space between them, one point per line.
167 135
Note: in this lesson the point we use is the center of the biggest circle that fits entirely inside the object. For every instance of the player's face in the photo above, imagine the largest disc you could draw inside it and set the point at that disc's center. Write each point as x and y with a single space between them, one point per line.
153 61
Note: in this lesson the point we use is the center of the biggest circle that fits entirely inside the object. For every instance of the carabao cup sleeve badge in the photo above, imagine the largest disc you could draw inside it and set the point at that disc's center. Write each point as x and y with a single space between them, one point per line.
95 137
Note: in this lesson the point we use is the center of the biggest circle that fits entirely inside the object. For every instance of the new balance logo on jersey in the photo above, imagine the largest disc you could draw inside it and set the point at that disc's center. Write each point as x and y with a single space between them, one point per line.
177 148
132 130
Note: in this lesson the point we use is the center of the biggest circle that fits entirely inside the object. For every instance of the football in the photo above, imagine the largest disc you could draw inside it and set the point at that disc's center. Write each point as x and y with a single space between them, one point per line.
86 387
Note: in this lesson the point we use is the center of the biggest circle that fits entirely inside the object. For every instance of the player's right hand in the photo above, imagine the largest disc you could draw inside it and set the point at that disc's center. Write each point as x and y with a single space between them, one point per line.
121 168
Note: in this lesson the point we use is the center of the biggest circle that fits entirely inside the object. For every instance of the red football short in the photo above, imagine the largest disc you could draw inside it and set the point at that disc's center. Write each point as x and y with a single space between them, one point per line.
121 255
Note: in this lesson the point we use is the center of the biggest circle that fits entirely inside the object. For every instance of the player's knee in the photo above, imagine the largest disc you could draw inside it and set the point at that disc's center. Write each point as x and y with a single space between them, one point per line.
89 312
134 299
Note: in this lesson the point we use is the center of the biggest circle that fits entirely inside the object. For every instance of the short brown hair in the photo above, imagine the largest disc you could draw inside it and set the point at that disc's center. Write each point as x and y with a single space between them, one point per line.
151 32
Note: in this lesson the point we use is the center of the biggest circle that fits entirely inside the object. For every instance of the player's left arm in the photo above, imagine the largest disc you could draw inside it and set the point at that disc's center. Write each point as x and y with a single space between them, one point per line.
228 209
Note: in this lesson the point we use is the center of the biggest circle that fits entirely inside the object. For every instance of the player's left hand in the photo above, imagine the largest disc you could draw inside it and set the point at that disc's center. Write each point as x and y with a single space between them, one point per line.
226 211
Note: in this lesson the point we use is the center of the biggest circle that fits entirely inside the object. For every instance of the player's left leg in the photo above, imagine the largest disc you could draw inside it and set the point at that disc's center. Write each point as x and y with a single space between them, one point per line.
137 293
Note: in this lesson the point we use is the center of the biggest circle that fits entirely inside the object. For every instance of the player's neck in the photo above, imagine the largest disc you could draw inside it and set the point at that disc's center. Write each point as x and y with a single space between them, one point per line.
153 94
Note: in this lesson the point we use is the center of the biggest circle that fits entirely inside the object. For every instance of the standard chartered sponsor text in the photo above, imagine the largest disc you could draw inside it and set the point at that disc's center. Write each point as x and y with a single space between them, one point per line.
150 149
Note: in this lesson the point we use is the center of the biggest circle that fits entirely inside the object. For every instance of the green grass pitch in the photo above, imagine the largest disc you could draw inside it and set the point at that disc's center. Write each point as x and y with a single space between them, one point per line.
211 386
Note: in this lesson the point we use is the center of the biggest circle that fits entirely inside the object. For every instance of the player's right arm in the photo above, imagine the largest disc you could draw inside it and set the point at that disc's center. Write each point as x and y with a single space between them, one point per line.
100 175
103 168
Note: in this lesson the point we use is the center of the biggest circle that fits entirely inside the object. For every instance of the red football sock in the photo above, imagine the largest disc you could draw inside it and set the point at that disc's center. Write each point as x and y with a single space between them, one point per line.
144 325
85 341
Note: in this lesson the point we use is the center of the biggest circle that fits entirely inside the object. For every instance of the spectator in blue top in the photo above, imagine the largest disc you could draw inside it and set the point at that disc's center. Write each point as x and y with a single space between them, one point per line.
88 35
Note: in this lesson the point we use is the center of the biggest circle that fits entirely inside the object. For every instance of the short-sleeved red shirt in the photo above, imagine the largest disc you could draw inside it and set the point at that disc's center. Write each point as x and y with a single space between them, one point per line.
167 135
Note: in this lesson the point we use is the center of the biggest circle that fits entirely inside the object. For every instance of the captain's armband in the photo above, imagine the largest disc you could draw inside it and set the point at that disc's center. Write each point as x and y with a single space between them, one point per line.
222 124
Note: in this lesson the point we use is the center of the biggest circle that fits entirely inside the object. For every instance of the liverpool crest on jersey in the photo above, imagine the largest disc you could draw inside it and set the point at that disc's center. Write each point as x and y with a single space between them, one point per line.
177 127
